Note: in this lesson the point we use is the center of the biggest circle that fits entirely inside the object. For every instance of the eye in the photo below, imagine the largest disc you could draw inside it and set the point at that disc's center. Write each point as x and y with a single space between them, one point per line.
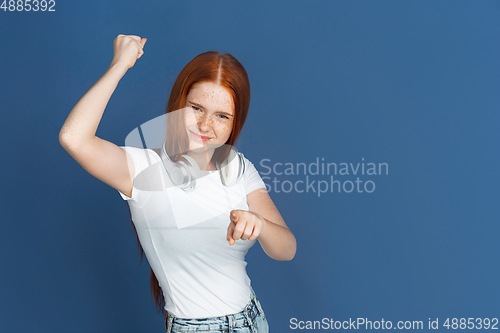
196 108
223 116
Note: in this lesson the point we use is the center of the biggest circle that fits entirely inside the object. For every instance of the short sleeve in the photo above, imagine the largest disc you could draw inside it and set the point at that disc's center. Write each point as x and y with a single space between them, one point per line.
252 178
142 158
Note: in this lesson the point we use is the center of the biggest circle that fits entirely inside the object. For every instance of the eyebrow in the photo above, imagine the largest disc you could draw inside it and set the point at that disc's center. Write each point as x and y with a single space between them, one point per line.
200 106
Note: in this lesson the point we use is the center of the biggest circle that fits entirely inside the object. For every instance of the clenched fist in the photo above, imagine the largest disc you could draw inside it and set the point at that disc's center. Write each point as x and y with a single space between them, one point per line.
244 225
127 49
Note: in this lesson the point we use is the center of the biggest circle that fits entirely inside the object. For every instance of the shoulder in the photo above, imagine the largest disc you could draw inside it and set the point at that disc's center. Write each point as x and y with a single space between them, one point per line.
251 177
247 163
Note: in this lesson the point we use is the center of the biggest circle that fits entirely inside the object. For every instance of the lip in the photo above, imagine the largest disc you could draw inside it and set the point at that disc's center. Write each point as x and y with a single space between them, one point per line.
199 137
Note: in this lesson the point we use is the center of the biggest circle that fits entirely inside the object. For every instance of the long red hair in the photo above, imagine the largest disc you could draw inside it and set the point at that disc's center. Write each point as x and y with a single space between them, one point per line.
214 67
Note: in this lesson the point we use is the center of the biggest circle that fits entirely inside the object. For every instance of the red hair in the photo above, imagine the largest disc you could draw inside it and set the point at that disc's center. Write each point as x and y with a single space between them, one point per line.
211 66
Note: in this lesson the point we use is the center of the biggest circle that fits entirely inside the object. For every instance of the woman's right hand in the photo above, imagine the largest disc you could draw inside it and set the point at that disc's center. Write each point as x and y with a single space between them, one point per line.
127 49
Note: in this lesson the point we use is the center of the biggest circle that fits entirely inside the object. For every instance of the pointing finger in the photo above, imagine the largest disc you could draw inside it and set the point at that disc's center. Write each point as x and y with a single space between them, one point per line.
235 214
229 236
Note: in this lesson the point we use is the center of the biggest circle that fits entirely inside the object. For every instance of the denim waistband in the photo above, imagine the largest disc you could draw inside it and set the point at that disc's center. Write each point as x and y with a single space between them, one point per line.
225 323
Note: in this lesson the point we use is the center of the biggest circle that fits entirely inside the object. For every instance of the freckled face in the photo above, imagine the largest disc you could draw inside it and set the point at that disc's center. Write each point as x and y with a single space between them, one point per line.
209 115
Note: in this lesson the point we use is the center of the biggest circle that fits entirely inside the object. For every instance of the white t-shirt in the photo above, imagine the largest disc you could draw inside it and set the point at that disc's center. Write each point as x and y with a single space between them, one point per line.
183 234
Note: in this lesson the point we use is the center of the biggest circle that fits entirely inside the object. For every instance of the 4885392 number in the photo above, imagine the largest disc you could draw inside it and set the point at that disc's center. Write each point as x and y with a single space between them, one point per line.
28 5
471 323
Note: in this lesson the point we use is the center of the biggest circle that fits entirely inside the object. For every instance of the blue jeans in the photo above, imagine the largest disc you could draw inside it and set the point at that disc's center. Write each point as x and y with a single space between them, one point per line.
251 320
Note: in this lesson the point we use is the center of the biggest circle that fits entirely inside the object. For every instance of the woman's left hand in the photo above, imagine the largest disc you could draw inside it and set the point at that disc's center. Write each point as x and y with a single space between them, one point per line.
244 225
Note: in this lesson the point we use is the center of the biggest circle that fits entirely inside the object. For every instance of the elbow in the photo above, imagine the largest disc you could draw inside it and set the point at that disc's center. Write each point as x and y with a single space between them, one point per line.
290 254
63 137
293 249
69 141
65 142
62 141
285 258
282 255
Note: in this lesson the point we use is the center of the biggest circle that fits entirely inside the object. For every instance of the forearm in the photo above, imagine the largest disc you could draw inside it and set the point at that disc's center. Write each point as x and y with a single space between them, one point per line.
277 241
83 120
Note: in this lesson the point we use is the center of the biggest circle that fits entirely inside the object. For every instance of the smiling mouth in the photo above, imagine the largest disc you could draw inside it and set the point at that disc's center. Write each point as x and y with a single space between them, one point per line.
200 137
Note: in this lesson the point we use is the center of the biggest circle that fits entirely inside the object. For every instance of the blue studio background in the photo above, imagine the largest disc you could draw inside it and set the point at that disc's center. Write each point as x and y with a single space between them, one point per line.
413 84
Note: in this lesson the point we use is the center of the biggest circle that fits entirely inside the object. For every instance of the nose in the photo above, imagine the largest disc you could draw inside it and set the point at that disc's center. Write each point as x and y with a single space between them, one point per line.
204 123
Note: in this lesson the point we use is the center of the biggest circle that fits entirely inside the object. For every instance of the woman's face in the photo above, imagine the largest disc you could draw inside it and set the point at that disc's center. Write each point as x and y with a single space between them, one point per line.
209 115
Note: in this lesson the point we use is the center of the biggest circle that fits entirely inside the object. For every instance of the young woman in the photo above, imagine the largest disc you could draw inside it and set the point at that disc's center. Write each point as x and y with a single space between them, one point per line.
197 257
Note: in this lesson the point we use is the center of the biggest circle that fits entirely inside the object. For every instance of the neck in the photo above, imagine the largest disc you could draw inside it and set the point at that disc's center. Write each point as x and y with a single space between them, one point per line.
203 159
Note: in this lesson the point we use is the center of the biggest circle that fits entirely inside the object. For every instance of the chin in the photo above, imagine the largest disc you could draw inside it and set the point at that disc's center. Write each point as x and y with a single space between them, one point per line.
198 147
198 150
193 146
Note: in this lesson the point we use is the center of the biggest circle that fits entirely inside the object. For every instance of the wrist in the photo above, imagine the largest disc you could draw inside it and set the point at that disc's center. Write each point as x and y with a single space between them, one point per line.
265 225
118 67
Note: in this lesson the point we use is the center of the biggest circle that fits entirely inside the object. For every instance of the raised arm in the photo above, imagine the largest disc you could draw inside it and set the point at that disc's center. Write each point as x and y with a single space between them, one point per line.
102 159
